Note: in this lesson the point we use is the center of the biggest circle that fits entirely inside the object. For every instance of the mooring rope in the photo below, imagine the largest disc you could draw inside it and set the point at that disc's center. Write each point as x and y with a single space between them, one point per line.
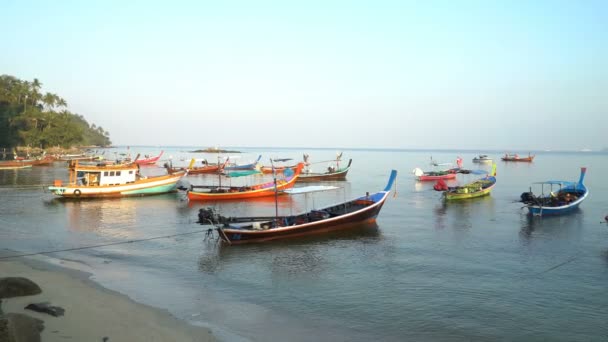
102 245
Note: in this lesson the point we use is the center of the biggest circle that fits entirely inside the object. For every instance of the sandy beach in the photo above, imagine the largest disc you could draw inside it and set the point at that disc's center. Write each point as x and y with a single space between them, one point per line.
93 313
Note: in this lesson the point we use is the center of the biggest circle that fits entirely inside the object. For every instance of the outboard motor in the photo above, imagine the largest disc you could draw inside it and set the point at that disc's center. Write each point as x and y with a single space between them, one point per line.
207 215
527 197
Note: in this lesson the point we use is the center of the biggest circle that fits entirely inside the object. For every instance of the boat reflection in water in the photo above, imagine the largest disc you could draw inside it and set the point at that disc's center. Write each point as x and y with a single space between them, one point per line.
290 255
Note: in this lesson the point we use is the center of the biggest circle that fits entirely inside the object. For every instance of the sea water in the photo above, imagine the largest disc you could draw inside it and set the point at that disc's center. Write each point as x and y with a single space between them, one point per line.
480 269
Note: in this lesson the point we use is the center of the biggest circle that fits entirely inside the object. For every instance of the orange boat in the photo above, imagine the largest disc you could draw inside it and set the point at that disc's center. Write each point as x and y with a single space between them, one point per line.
213 193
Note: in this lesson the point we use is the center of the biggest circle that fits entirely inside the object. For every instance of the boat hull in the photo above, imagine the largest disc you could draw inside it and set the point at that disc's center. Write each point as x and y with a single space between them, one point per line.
450 196
425 178
537 210
15 166
525 160
143 187
236 236
148 161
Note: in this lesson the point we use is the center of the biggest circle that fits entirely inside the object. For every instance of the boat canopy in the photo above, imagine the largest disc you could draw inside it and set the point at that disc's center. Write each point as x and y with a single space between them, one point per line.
308 189
556 182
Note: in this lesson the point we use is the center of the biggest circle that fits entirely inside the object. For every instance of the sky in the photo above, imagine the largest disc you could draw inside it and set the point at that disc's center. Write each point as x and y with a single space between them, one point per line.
512 75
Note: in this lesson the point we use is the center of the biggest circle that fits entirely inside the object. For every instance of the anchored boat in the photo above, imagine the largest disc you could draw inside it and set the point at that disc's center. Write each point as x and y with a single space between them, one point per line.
238 230
121 180
562 197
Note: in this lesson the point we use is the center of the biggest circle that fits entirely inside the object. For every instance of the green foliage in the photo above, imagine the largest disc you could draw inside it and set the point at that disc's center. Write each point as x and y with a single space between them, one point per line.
30 118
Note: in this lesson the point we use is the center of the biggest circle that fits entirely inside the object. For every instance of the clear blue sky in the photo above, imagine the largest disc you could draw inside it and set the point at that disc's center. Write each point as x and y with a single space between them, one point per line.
429 74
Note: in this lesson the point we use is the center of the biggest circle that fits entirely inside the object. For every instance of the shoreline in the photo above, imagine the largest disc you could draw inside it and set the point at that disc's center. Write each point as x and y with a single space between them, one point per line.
92 312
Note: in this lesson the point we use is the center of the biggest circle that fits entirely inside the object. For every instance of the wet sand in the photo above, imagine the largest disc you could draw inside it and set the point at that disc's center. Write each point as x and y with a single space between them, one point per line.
92 313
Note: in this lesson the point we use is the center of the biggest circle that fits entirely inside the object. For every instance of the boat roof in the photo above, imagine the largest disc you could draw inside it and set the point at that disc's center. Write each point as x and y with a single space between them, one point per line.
557 182
100 168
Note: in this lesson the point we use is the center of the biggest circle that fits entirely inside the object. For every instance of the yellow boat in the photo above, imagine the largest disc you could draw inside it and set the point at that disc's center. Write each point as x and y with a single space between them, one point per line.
478 188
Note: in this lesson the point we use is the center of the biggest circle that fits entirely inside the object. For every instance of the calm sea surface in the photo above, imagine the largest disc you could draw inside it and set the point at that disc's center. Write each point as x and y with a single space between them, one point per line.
478 270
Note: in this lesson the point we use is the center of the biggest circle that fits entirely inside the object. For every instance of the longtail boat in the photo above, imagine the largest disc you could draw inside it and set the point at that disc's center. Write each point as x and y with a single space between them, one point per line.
74 157
15 164
482 158
448 173
219 192
206 168
345 215
478 188
43 161
434 175
147 160
120 180
277 168
517 158
244 166
565 199
334 171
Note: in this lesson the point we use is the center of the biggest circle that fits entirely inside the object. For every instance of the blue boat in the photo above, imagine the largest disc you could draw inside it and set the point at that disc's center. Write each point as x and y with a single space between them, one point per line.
557 197
251 166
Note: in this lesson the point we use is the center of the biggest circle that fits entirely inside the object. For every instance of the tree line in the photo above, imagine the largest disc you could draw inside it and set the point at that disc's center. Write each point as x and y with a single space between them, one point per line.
29 117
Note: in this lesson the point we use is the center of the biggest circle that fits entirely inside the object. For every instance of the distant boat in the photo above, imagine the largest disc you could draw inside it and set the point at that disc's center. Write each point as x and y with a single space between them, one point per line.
121 180
278 168
434 175
482 158
244 166
478 188
205 167
517 158
334 171
15 164
147 160
567 197
448 172
345 215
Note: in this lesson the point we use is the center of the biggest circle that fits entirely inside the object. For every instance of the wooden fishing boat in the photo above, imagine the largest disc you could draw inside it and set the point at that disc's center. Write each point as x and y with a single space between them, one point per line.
147 160
244 166
15 164
79 157
517 158
478 188
333 173
563 200
205 168
345 215
121 180
433 175
43 161
219 192
449 172
482 159
278 168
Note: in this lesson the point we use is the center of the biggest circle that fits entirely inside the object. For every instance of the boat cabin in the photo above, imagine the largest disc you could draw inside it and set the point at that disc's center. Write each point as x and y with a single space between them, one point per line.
103 175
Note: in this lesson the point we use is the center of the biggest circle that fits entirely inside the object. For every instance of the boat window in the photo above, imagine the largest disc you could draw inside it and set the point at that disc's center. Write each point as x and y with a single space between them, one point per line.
111 173
118 173
131 172
105 173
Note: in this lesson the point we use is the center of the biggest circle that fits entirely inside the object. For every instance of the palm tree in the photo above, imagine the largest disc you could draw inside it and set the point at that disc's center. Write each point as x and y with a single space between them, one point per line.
49 100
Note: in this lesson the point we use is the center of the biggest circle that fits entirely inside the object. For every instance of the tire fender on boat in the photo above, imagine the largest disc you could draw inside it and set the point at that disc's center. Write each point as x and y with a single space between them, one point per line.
77 192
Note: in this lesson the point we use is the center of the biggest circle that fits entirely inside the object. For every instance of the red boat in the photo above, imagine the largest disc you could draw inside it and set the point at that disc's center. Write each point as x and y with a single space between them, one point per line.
517 158
148 160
